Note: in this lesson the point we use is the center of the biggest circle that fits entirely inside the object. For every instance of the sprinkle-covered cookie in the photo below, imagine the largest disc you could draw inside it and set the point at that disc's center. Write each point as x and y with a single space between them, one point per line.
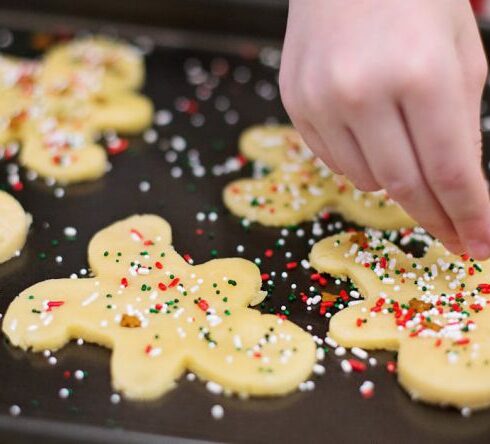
297 186
160 316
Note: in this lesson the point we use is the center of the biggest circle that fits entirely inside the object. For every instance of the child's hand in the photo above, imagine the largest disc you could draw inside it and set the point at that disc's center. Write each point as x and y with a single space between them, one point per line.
388 93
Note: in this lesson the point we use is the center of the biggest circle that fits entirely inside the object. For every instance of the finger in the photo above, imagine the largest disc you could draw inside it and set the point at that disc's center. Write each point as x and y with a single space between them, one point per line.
389 152
346 153
438 120
316 144
471 56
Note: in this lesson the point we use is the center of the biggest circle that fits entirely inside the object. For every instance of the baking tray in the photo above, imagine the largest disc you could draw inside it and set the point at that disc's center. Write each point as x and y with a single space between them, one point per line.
333 412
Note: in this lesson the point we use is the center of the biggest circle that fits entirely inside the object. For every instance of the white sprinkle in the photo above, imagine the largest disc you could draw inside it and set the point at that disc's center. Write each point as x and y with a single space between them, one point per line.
90 299
346 366
115 398
70 231
15 410
59 193
217 411
52 360
466 412
318 369
191 377
340 351
359 352
214 388
79 374
144 186
64 393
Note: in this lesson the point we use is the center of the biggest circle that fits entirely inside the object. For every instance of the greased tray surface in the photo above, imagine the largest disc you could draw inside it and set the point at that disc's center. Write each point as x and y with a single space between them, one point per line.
333 411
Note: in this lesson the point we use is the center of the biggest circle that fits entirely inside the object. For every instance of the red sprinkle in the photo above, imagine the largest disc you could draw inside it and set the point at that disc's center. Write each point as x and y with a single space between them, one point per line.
158 265
124 282
291 265
174 282
117 146
54 304
391 367
357 365
162 286
203 305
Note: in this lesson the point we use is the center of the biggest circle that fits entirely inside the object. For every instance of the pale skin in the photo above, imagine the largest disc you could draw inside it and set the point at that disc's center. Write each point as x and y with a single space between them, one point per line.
388 94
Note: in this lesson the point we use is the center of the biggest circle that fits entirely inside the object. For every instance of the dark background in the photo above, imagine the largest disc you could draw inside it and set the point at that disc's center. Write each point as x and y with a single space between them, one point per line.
334 411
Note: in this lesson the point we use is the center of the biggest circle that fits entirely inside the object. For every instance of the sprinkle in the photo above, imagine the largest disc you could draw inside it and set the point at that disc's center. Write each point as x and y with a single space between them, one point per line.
64 393
359 352
15 410
70 232
115 398
346 366
318 369
367 389
214 387
217 411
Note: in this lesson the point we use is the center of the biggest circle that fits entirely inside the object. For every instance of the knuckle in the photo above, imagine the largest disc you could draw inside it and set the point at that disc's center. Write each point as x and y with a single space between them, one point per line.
420 74
350 86
446 177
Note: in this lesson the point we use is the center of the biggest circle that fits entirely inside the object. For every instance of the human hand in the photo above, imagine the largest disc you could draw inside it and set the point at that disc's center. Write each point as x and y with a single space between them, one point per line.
388 93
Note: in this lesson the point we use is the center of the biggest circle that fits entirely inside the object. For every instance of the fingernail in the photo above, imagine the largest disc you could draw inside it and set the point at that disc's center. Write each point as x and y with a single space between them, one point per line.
479 250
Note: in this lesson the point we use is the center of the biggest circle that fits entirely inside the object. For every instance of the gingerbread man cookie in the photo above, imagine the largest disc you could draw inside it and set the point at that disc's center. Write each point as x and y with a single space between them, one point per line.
161 316
434 310
55 107
299 186
14 225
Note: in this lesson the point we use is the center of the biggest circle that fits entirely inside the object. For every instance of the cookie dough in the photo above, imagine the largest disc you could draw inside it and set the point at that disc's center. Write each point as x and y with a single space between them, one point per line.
118 66
299 186
434 310
14 225
161 316
55 107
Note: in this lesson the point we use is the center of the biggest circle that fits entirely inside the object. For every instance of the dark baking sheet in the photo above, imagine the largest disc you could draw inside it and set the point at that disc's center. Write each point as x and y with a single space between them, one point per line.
333 412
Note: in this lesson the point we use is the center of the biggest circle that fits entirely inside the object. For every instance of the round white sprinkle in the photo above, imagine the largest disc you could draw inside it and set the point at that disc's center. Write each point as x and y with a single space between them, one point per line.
144 186
318 369
59 193
217 411
466 412
80 341
79 374
115 398
58 259
340 351
176 172
70 231
191 377
15 410
240 248
64 393
52 360
163 117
